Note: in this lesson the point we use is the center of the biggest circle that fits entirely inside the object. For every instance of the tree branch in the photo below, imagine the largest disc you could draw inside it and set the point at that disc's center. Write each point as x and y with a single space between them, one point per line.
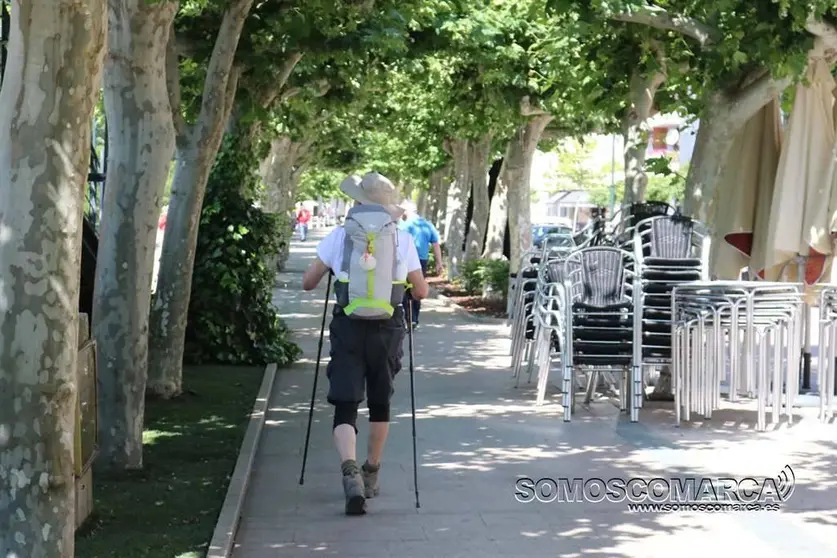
447 146
745 103
184 47
323 87
526 108
289 94
749 100
826 33
660 18
553 134
220 73
229 93
173 81
271 93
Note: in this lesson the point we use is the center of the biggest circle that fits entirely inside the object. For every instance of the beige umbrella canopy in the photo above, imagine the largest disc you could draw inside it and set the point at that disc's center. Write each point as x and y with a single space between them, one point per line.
743 198
801 214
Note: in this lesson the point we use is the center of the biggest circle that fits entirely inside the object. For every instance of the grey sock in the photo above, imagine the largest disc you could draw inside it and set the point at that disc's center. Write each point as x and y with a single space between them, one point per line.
349 467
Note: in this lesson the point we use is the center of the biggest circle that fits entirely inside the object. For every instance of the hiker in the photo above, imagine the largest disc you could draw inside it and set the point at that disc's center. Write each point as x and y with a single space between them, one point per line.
367 328
424 235
302 218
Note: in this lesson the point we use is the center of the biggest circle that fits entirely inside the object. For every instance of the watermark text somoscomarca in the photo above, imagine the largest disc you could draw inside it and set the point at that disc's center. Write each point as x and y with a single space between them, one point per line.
683 493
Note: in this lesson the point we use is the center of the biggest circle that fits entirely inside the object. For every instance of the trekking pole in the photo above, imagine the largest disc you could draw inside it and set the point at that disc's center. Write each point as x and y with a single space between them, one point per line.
413 401
316 375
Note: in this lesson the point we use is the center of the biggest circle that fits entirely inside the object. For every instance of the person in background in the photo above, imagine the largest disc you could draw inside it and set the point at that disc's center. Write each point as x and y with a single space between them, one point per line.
302 219
424 236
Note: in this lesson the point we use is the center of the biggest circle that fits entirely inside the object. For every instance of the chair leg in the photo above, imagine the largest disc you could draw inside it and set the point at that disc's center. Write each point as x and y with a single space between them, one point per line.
643 384
535 350
567 395
623 390
518 363
518 346
592 382
515 332
543 368
637 393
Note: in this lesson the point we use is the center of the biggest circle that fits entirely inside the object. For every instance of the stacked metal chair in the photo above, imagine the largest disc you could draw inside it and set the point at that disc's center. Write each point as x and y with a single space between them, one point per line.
520 313
625 223
550 324
595 233
827 350
603 324
669 250
740 333
533 278
548 313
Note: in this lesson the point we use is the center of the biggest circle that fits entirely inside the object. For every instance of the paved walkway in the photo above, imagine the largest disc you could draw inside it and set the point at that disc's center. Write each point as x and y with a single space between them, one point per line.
477 435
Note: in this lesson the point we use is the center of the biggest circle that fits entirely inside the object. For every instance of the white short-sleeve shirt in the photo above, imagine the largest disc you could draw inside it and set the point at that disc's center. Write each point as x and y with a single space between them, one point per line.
330 251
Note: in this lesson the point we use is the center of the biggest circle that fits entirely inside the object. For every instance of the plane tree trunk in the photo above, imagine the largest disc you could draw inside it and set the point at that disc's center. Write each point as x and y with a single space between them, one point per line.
460 188
479 158
635 133
196 151
140 149
437 205
50 87
498 217
518 171
281 172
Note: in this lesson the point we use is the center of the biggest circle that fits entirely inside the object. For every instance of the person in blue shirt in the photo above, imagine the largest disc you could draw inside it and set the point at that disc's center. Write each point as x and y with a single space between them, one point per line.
424 235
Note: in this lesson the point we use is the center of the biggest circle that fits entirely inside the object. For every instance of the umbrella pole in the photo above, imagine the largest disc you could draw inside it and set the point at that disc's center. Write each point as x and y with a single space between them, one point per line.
806 351
805 385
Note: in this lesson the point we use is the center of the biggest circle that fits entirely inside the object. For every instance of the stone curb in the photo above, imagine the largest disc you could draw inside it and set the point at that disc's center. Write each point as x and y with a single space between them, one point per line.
226 527
434 293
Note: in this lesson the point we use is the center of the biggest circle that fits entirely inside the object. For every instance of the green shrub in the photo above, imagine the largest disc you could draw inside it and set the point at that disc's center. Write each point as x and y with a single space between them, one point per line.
471 279
231 316
496 276
431 264
481 275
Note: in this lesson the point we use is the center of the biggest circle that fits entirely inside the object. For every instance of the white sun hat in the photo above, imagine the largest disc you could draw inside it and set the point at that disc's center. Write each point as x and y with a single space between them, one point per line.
373 189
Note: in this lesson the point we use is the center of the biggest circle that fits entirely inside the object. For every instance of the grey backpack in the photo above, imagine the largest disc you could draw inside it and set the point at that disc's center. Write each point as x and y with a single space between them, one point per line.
372 279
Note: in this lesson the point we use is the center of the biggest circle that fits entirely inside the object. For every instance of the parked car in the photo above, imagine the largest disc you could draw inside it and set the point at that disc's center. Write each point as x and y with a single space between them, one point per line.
557 234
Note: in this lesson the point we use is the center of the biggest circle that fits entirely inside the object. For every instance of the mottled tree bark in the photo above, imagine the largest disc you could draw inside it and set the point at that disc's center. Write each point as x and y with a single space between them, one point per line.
635 134
437 204
479 162
711 145
458 204
281 172
140 149
498 216
50 87
723 116
518 171
421 204
406 190
196 152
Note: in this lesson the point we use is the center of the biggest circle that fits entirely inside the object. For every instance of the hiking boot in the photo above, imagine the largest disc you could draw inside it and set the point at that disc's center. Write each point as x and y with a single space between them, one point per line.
370 480
353 487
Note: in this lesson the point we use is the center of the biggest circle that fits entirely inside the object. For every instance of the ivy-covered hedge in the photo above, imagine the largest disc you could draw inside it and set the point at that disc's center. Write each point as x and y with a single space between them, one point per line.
231 316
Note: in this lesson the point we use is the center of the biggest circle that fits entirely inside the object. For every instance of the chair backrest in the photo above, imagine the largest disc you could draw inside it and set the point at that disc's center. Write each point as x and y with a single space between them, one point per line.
645 210
670 237
555 271
598 276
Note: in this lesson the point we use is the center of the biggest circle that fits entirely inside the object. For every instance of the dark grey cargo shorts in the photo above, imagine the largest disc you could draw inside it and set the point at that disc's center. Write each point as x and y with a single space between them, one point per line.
365 358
